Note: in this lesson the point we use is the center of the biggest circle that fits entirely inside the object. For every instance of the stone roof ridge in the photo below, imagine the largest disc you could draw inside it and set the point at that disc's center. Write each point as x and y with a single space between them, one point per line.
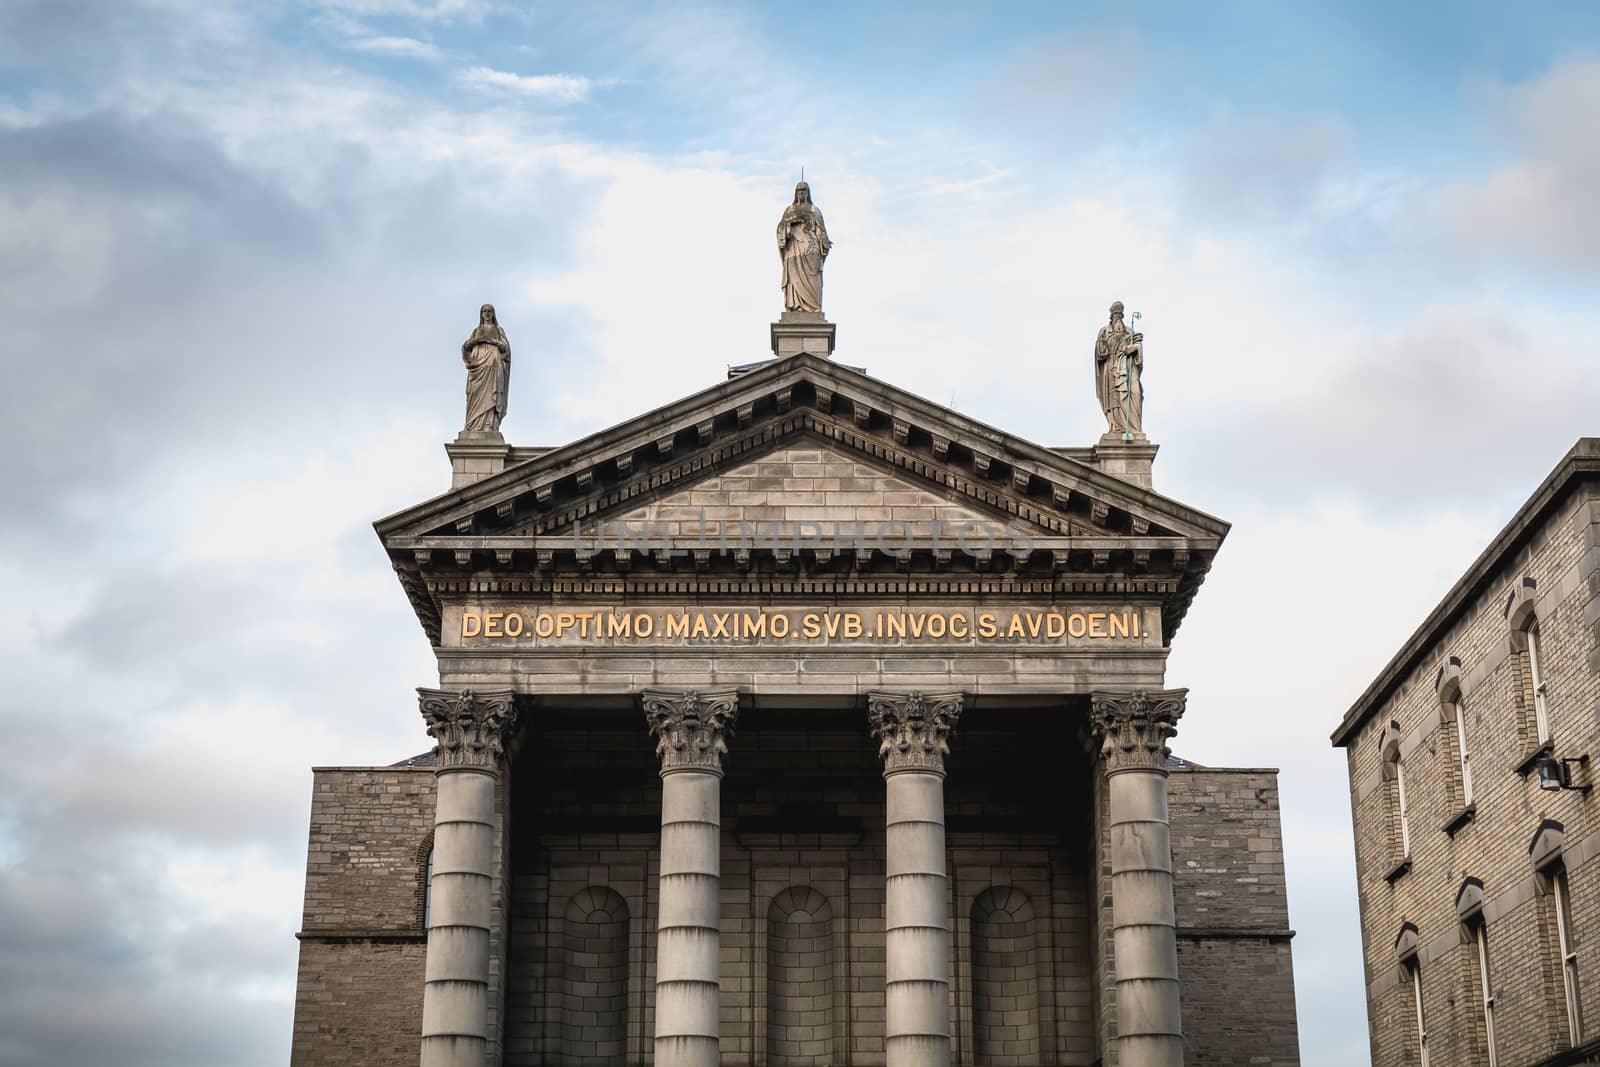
1581 462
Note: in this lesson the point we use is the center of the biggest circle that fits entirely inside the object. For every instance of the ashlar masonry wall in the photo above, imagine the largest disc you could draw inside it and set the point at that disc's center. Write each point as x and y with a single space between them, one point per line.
362 944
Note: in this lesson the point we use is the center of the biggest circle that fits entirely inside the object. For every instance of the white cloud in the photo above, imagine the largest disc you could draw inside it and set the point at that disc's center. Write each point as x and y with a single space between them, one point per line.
563 88
409 47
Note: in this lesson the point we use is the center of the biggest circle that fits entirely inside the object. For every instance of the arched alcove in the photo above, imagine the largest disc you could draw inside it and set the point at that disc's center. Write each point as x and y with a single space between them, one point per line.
1005 979
800 962
594 1016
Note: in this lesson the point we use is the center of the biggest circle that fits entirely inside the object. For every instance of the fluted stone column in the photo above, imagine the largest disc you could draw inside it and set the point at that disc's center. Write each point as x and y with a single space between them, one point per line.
913 731
1133 729
469 731
691 730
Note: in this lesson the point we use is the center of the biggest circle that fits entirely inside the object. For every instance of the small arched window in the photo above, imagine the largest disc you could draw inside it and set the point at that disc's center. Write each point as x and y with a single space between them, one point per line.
1394 773
1454 713
1528 642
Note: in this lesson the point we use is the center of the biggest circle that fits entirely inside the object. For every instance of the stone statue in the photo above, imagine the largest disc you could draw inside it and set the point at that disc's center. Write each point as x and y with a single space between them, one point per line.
1118 366
802 245
487 355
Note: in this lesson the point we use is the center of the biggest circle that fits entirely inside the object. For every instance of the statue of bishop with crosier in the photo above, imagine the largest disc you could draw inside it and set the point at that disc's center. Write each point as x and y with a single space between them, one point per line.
1118 368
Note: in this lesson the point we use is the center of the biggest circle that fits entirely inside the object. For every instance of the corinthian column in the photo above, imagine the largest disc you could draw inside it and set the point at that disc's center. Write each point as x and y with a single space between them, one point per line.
691 731
469 731
913 731
1133 729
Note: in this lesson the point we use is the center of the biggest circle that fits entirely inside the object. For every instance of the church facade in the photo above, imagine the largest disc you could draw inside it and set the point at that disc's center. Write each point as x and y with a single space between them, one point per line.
801 722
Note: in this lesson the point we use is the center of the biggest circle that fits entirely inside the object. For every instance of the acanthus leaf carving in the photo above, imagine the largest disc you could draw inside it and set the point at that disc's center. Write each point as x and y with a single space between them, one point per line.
1133 727
913 729
691 727
469 729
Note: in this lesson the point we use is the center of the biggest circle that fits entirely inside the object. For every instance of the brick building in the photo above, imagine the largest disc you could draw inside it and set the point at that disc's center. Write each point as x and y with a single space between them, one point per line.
1469 777
801 722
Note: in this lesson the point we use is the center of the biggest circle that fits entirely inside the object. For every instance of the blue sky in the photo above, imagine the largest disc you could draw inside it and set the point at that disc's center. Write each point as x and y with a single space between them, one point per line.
240 242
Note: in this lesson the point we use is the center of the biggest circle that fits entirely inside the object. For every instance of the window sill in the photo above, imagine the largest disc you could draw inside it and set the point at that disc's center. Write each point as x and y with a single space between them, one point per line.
1398 871
1525 768
1460 819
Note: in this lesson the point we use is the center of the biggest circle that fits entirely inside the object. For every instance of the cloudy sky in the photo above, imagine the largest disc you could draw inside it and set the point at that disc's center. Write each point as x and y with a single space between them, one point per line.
240 243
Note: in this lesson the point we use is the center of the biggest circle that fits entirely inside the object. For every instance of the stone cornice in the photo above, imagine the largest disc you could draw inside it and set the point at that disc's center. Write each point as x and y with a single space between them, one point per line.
913 729
691 727
878 410
1133 728
469 729
1084 522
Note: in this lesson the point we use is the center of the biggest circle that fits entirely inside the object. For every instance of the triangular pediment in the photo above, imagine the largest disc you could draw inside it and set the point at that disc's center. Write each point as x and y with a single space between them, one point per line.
803 439
809 481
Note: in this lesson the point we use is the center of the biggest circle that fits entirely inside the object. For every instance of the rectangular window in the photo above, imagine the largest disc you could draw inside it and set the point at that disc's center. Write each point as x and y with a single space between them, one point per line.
1422 1026
1462 751
1400 793
1541 711
1569 956
1485 987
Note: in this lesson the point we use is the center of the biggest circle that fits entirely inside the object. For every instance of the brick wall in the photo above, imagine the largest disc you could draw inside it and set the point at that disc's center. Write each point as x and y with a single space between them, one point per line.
359 994
1449 843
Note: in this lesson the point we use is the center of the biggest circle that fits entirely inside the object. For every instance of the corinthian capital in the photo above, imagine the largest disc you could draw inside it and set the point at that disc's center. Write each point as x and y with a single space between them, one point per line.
469 729
691 728
913 729
1133 727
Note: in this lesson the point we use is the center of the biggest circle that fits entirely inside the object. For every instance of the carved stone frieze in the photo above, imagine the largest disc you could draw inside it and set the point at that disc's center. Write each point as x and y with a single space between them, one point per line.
913 729
469 729
1133 728
691 727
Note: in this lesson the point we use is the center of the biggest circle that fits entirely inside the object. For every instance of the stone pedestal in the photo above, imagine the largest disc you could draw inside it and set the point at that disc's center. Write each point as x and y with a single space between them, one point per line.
1129 460
802 331
913 731
1133 729
691 731
476 454
470 731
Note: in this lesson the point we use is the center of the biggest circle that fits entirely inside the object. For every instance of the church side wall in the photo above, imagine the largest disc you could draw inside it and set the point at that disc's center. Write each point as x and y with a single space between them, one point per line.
1233 918
362 943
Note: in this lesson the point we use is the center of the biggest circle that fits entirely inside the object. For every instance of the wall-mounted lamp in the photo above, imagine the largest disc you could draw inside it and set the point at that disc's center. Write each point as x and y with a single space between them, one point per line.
1555 773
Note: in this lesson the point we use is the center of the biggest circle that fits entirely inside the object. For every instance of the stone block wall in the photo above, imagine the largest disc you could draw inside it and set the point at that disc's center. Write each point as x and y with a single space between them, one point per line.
362 944
1231 896
1478 669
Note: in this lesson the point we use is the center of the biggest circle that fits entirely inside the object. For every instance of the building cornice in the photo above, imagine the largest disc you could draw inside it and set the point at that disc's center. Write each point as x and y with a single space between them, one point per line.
1083 522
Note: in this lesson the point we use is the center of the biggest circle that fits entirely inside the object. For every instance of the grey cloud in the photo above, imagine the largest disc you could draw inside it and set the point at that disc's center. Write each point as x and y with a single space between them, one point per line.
161 292
1538 209
1260 171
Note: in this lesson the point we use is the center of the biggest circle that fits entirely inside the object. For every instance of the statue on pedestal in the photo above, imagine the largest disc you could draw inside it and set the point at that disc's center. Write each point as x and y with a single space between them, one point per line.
1118 366
802 245
487 355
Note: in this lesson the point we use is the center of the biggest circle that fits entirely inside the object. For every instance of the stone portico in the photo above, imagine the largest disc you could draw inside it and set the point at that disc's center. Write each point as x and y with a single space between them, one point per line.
800 723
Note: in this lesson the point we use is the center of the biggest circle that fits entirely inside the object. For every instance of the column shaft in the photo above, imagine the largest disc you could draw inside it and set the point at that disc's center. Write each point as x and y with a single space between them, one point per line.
913 732
688 937
470 730
691 730
455 991
1133 728
916 937
1143 923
